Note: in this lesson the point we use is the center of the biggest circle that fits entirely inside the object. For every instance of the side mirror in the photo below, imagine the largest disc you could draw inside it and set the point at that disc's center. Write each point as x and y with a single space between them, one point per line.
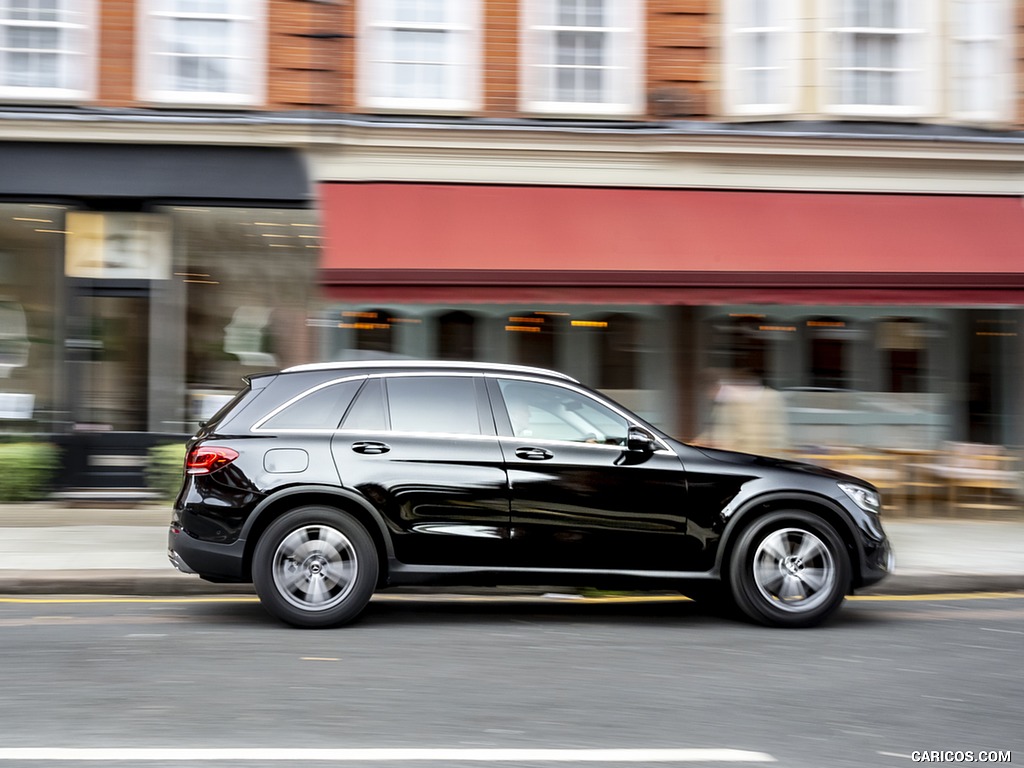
639 440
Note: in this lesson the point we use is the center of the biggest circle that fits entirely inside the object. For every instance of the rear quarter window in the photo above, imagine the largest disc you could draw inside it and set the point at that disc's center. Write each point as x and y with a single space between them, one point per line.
323 408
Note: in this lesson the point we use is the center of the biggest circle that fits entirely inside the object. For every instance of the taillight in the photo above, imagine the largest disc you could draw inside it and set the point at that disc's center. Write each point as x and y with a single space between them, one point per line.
205 459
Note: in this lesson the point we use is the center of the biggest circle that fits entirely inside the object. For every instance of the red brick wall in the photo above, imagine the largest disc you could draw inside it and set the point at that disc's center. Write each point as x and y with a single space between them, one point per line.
311 57
310 62
680 36
116 46
501 57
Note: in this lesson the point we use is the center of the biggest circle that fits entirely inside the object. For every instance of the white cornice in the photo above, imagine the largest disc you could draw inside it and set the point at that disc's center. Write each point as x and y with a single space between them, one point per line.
513 154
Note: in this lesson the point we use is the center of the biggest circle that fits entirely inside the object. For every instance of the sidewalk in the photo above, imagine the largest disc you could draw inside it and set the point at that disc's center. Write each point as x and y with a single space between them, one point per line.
49 549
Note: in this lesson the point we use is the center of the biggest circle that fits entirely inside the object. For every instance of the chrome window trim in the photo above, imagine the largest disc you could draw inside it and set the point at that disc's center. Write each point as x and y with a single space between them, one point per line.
519 374
584 393
258 426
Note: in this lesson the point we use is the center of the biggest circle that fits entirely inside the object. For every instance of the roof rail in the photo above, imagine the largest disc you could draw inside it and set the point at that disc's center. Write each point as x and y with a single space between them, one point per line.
456 364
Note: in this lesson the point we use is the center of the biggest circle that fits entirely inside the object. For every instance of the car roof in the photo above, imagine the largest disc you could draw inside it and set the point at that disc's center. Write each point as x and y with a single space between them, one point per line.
427 364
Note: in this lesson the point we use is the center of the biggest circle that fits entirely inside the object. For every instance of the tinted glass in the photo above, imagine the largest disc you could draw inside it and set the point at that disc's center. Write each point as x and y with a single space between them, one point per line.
434 404
550 412
321 409
367 412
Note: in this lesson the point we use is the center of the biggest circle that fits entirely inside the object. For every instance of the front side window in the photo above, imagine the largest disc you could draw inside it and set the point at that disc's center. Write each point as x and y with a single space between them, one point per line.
438 404
46 49
582 56
549 412
881 60
762 56
420 53
203 51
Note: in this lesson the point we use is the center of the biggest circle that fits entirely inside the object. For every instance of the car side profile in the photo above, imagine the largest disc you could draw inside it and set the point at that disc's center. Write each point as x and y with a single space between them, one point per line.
321 484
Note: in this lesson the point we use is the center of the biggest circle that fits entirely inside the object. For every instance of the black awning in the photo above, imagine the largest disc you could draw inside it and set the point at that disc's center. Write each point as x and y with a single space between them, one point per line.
153 172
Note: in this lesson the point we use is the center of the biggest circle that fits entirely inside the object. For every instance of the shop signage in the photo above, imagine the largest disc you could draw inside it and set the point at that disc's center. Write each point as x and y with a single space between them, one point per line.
119 246
16 405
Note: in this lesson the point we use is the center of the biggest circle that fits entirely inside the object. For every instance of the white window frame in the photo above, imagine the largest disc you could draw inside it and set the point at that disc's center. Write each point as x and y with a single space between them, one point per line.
786 38
463 47
918 31
623 61
152 13
1001 81
79 76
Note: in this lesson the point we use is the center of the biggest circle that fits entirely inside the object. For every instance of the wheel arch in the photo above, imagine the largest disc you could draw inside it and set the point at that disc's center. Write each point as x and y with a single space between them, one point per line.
271 508
754 509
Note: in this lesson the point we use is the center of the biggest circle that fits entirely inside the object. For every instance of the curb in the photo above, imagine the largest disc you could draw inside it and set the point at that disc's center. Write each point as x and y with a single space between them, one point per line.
133 583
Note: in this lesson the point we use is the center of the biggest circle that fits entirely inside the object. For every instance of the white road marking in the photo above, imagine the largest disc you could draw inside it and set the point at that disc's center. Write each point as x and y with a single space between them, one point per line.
397 755
1007 631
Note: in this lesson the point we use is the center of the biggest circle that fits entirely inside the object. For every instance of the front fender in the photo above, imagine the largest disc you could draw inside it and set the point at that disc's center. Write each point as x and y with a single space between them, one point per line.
738 514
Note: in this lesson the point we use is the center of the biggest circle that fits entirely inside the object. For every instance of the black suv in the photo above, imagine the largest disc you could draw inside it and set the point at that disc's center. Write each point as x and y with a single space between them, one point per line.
323 483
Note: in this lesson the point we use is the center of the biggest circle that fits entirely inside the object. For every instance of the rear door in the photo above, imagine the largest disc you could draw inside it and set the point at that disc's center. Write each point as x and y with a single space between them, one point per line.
423 449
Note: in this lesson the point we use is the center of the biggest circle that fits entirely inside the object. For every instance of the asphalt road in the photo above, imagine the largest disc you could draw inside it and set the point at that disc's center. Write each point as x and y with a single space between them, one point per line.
499 682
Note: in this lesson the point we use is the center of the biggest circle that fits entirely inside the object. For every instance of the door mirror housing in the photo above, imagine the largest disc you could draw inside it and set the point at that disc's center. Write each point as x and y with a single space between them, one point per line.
639 440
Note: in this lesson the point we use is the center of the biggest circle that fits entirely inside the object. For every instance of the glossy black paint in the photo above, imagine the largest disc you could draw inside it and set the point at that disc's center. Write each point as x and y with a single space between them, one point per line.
494 508
596 506
444 498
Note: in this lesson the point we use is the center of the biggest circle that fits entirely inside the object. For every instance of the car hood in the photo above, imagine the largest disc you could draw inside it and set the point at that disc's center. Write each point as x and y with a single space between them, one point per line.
748 459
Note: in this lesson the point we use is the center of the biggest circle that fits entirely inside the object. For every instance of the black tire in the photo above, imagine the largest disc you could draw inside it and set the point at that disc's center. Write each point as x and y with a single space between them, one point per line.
315 567
789 569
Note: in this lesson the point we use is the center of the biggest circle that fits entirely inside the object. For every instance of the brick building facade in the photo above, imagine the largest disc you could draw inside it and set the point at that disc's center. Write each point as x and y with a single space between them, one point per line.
688 173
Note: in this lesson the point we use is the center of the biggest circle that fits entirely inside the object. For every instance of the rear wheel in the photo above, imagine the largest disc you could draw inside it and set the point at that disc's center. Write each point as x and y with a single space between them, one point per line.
789 569
315 567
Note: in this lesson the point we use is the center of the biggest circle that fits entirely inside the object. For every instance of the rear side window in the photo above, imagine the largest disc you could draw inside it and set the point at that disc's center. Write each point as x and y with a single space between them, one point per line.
445 404
320 409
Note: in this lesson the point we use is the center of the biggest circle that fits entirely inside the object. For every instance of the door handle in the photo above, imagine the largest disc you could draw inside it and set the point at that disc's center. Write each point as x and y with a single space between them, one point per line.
534 454
370 448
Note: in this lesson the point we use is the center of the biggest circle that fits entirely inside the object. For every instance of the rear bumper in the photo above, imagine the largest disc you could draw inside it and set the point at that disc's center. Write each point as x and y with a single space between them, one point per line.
213 562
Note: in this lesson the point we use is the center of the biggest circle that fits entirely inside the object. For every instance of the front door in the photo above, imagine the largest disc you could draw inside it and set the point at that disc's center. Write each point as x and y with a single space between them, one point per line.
580 498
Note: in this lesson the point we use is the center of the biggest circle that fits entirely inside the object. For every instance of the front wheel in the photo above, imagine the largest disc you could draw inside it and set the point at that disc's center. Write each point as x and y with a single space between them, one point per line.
789 569
315 567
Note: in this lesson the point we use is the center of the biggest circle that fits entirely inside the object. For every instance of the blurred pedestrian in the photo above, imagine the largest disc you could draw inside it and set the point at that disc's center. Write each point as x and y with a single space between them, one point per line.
746 415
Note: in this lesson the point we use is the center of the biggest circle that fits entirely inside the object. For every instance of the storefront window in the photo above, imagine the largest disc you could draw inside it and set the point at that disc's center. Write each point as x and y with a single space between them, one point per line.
31 241
741 342
831 345
456 336
616 352
535 336
374 330
903 343
246 279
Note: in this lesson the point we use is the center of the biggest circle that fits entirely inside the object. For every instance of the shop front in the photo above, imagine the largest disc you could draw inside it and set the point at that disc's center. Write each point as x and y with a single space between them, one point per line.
137 286
889 320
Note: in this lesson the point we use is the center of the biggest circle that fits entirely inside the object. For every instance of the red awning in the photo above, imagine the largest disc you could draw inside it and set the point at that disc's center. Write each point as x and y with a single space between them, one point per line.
422 241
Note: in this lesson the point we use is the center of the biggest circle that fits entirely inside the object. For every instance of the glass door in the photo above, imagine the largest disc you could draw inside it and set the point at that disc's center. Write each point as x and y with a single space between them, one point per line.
109 352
